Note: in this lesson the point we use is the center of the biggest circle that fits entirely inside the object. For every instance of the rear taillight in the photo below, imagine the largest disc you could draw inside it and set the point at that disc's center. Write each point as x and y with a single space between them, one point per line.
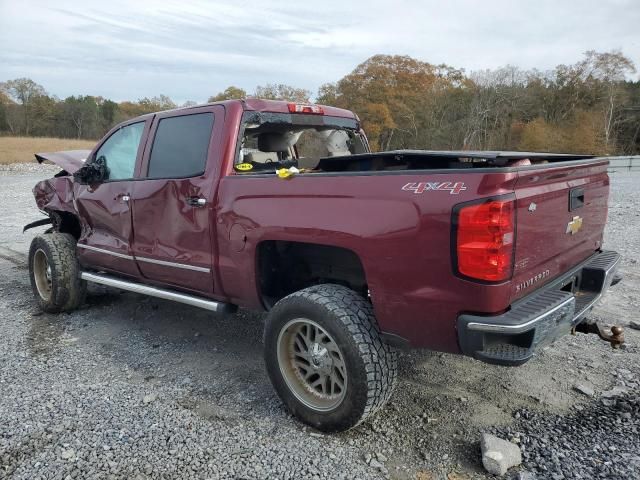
300 108
484 240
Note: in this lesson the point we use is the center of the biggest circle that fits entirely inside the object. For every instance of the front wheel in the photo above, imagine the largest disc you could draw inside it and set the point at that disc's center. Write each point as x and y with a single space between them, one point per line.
326 359
54 273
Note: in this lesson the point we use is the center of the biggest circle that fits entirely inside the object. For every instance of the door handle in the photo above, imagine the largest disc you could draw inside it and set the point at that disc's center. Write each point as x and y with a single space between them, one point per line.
123 198
196 201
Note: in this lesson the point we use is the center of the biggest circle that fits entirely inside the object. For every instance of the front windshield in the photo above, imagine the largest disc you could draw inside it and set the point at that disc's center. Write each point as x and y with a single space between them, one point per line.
272 141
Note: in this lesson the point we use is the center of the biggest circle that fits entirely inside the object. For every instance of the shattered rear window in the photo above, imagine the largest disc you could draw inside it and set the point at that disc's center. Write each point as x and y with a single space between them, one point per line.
269 141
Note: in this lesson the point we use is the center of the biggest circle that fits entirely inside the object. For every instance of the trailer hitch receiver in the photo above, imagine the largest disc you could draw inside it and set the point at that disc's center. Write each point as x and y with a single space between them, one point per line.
615 338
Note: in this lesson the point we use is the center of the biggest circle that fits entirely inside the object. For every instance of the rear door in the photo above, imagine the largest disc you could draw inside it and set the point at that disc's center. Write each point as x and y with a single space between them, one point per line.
172 202
104 208
561 215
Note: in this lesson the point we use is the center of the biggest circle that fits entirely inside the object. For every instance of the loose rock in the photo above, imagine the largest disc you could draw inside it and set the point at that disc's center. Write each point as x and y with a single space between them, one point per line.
524 475
585 390
381 457
67 454
149 398
499 455
614 392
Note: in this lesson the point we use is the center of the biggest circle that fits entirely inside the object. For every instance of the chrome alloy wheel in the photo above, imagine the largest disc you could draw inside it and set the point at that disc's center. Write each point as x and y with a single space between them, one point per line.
42 274
312 364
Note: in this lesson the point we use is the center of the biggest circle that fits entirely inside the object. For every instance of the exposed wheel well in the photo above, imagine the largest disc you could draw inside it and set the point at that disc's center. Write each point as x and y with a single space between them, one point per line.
286 267
65 222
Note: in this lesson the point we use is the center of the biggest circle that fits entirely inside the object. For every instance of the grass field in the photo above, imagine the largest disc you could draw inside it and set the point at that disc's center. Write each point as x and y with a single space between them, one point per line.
21 149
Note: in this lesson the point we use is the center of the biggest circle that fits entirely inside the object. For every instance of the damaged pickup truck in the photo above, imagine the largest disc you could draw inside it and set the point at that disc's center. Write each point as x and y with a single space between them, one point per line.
282 207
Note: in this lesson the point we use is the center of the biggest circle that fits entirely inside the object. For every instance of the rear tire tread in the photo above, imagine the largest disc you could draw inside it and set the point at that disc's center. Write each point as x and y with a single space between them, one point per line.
356 315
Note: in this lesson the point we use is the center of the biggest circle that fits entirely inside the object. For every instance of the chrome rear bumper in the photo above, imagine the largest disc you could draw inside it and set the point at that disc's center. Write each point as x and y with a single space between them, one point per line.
540 318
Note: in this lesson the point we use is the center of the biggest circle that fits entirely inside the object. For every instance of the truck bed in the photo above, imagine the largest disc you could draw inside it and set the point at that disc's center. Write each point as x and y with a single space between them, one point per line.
434 159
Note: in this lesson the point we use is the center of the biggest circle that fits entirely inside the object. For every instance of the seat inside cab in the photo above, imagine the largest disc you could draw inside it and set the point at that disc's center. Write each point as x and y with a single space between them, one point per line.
271 147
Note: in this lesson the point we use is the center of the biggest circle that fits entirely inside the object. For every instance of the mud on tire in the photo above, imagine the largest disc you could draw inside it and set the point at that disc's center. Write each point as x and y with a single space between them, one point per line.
346 319
55 274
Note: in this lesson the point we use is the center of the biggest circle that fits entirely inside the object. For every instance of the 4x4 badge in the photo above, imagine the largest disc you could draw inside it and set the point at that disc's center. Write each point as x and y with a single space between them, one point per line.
454 188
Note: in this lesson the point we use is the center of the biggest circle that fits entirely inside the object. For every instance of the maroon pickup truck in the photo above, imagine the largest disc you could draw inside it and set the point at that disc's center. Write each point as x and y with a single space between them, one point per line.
282 207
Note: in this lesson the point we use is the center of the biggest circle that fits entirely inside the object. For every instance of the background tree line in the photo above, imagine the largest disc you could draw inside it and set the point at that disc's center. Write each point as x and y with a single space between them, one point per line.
585 107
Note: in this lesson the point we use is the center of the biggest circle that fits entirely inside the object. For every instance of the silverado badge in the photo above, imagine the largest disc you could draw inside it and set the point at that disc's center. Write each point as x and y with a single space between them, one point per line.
574 225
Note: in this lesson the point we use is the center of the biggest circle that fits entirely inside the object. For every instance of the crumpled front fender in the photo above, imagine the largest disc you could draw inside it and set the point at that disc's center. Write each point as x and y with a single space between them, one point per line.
55 194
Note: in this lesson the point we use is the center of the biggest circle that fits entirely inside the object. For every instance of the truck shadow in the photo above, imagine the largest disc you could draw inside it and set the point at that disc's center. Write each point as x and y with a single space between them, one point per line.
216 356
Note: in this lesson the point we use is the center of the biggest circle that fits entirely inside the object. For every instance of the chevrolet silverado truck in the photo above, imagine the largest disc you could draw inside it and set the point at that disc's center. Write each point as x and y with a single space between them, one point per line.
282 207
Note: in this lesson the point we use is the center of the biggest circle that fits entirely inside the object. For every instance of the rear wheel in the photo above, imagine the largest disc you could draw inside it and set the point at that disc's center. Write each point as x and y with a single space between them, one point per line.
312 364
326 359
54 272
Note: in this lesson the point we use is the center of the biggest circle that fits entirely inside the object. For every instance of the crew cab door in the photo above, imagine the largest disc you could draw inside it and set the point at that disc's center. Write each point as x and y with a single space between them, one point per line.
104 207
173 200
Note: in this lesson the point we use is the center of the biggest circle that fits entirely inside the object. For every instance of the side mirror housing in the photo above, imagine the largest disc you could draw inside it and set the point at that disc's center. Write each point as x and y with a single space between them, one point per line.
93 172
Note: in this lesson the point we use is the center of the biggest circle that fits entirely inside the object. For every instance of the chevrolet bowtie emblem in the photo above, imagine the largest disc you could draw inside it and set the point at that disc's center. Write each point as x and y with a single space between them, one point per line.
574 225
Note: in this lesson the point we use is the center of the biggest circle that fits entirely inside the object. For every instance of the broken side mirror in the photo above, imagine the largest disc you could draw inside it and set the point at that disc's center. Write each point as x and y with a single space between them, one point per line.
93 172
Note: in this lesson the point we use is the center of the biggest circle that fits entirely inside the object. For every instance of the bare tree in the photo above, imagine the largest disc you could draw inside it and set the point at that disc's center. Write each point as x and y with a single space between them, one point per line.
23 91
611 69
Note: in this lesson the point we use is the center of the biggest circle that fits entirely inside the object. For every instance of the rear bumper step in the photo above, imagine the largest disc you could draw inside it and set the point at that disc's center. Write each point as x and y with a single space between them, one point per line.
540 318
179 297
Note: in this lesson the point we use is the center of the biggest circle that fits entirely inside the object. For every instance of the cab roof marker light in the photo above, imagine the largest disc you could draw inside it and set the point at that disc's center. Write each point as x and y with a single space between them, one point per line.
302 108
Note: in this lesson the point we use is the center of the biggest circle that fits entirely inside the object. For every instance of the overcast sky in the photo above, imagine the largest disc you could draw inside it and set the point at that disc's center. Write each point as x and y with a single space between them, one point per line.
191 50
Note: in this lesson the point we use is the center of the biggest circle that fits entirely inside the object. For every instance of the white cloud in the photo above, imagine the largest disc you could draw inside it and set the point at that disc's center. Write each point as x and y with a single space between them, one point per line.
190 50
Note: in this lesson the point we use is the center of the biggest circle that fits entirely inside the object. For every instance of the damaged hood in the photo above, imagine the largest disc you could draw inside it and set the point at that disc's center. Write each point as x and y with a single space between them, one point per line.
68 160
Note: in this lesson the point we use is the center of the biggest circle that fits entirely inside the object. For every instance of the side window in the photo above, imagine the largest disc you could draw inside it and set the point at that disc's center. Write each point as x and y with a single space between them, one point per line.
180 146
120 151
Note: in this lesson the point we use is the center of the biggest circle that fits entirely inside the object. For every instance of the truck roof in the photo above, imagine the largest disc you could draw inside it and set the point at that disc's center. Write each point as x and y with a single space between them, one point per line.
282 106
259 105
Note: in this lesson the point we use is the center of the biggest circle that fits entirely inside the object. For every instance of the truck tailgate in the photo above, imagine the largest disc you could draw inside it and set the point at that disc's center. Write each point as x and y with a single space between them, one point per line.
561 214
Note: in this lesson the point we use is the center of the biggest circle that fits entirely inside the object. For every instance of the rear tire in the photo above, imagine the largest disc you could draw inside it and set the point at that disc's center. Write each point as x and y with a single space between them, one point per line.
55 274
326 359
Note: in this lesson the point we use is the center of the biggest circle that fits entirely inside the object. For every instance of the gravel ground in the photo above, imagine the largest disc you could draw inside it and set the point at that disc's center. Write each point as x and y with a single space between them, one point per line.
134 387
599 441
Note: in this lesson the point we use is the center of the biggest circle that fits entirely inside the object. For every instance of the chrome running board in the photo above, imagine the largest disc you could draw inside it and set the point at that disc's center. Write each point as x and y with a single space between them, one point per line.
195 301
